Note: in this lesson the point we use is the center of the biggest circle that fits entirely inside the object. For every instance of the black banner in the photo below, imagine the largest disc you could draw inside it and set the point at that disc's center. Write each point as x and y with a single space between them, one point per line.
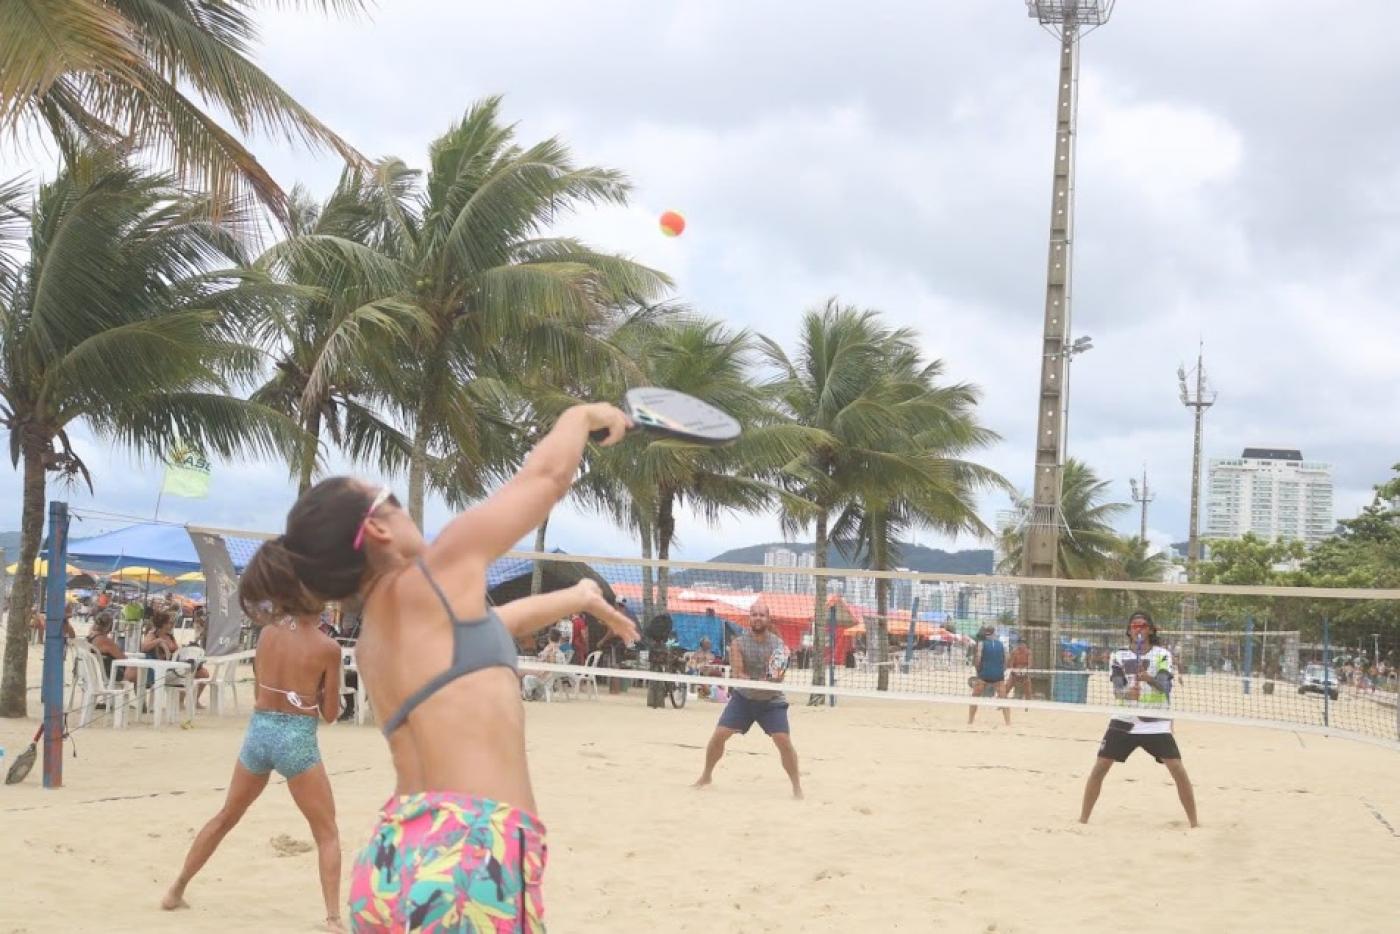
220 593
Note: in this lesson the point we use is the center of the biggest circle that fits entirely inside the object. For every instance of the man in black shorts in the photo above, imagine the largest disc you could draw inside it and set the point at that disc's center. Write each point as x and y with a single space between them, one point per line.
752 658
1141 676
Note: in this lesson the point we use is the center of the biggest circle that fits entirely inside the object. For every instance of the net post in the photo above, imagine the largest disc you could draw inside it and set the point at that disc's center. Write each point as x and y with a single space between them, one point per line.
1248 661
1327 672
55 596
909 642
831 653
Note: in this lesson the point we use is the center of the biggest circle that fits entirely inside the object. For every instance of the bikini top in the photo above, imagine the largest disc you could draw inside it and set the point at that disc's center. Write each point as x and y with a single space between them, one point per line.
476 644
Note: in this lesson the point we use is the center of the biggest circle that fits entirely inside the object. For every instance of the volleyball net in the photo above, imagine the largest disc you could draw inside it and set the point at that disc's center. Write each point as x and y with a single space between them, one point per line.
1309 659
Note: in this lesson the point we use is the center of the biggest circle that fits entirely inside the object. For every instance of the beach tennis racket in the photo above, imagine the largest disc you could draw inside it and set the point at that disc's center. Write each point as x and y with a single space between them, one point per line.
676 415
24 761
778 661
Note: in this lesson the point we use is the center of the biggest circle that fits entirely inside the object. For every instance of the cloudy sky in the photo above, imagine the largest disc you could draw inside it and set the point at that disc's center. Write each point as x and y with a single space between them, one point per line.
1238 184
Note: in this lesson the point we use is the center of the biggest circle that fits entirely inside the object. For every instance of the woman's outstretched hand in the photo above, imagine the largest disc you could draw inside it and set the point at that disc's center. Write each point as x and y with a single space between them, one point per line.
592 602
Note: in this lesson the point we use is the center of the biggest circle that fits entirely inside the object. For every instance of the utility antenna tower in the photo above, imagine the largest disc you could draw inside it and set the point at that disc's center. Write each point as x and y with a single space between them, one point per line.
1068 21
1202 398
1142 495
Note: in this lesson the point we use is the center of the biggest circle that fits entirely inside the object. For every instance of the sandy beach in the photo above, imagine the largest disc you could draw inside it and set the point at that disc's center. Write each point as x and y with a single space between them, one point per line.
913 822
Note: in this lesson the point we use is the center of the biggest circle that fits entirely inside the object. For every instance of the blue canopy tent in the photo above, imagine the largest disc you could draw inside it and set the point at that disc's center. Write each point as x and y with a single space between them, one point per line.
167 548
689 628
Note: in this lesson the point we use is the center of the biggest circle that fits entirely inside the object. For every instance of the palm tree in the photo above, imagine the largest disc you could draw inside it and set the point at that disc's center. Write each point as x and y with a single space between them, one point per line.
124 316
332 340
854 382
124 70
1087 538
1134 561
705 359
913 476
494 297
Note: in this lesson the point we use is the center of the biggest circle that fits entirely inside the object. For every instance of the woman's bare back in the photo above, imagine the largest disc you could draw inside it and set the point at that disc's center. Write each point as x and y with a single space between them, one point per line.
301 660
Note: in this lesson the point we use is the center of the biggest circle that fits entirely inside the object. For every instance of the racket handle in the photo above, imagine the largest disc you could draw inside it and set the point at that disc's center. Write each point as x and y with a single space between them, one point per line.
600 435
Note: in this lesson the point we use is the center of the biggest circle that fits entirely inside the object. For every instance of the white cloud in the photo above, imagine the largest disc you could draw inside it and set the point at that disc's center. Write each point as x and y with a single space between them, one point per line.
1236 185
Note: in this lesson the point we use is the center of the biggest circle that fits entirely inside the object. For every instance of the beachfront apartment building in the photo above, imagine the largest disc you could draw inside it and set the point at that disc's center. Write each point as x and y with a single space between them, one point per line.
1272 492
775 582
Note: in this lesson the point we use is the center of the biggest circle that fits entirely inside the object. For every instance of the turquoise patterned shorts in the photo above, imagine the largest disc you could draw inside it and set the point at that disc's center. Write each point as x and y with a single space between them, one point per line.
282 741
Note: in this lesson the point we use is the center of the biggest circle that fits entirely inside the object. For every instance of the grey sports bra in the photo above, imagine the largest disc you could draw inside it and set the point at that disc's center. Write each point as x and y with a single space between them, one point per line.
476 644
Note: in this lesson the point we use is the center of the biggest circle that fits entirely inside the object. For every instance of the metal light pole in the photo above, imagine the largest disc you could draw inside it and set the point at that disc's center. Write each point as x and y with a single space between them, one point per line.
1080 345
1202 399
1142 495
1068 21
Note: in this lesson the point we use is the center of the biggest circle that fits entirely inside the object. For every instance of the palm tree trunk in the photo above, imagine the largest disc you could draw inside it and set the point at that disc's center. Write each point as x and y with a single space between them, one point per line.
417 475
648 586
537 575
879 552
310 448
665 531
819 613
13 689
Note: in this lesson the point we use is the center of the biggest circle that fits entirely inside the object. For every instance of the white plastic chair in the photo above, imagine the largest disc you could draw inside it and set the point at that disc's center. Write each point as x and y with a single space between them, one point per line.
223 684
589 680
95 687
181 687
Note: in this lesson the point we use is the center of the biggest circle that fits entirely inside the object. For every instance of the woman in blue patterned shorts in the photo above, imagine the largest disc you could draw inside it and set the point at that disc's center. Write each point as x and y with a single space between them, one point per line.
298 680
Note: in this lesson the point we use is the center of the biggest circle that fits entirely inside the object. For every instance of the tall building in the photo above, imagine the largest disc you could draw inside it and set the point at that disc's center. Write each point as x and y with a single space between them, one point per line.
788 583
1271 492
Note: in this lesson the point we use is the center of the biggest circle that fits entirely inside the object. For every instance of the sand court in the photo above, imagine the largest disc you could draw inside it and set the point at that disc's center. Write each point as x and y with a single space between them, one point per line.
912 822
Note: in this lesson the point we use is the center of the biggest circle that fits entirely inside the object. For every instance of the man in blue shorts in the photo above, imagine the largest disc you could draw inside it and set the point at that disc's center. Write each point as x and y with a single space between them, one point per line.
752 657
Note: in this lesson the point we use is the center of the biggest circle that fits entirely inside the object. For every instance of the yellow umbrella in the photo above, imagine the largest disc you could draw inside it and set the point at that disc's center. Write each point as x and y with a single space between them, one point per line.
41 568
138 575
193 577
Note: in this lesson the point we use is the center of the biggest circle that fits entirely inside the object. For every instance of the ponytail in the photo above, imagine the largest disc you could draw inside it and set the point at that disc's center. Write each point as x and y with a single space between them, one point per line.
315 561
270 587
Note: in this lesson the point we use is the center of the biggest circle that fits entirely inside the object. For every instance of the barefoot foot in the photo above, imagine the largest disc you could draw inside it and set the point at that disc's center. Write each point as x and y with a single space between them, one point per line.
335 926
701 782
173 900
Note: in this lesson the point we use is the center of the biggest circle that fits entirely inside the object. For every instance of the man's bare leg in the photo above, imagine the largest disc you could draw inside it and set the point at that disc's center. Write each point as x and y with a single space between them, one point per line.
1093 786
1004 692
714 751
788 753
1184 791
977 688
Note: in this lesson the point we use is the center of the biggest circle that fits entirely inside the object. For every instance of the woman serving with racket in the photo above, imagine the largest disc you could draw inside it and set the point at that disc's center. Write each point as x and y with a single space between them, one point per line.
458 846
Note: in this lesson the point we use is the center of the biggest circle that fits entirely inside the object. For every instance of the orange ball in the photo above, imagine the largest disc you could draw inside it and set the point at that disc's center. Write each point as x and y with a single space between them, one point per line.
672 224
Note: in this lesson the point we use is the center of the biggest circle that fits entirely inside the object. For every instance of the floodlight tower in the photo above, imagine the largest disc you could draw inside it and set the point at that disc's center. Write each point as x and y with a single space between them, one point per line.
1200 400
1142 495
1068 21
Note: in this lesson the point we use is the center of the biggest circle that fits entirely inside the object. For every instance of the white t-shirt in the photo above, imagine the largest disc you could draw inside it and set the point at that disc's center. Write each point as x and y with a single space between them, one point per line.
1126 663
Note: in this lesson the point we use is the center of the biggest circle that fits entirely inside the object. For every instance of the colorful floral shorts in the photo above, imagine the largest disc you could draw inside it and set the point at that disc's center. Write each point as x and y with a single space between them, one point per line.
441 862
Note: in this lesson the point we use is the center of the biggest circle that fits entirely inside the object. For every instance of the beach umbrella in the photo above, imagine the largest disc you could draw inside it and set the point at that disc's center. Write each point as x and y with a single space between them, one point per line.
41 568
141 575
193 577
82 582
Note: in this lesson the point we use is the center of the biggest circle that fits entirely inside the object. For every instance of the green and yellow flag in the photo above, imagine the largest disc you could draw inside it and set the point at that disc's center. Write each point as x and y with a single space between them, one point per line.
187 473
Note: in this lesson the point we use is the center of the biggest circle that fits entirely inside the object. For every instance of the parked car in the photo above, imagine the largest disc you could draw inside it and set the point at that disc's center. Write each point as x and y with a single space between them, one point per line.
1317 679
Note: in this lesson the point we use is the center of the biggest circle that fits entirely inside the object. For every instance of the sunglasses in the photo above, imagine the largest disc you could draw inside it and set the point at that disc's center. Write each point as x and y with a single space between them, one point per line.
385 495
